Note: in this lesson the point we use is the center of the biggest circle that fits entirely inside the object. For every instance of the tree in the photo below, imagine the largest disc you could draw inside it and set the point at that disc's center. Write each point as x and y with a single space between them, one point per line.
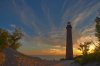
4 35
84 47
97 34
11 40
14 39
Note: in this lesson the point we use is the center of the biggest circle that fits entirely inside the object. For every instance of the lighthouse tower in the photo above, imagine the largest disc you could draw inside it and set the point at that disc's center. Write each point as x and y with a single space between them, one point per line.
69 43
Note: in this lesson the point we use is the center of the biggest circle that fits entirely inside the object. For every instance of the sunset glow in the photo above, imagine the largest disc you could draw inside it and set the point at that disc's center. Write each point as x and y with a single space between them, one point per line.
43 23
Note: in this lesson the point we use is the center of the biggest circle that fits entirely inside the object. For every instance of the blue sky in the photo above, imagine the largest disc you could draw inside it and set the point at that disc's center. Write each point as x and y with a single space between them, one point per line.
43 22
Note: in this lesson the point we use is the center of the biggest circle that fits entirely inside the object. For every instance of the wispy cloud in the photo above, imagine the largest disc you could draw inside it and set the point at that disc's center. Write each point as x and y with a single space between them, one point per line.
78 13
47 12
26 15
85 14
79 17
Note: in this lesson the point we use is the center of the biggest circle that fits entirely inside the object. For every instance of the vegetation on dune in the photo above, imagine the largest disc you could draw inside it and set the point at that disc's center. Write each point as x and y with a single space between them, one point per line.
85 57
3 39
14 39
90 57
97 34
63 59
84 47
10 39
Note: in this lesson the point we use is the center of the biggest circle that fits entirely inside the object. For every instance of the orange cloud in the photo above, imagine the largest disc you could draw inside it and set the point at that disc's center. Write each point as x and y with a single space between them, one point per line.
43 52
52 51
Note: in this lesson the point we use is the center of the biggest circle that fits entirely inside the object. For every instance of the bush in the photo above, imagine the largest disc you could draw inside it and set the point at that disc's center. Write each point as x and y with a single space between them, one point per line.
84 59
62 59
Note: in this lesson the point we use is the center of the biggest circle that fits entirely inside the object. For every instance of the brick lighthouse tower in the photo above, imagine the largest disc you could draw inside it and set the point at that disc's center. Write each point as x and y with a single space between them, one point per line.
69 43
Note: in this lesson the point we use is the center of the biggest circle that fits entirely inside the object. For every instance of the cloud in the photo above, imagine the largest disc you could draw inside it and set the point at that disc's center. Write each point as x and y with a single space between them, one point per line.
44 52
51 51
26 15
70 11
46 10
55 38
13 25
79 13
78 19
64 5
89 30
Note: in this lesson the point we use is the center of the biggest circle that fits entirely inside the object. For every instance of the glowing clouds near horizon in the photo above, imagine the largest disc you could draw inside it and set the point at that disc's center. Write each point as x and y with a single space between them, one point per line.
52 51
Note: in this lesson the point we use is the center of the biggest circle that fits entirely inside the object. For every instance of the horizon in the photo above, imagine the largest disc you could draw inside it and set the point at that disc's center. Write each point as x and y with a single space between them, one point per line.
44 22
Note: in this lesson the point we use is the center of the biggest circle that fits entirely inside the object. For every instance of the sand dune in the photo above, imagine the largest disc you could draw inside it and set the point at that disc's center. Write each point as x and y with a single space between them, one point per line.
11 57
15 58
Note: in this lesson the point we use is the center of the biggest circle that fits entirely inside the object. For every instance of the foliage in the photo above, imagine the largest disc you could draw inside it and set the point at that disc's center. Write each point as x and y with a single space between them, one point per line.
63 59
11 40
97 34
4 35
85 57
14 39
84 47
92 57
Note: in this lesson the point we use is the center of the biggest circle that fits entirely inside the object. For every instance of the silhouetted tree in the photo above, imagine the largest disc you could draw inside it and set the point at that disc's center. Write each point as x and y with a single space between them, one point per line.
11 40
84 47
14 39
97 34
4 35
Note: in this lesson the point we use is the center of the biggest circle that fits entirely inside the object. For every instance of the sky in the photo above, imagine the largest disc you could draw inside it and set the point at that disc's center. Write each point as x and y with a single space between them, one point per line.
43 23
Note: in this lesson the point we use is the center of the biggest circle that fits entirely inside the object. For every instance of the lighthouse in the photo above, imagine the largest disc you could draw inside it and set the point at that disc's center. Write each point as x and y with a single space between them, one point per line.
69 43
